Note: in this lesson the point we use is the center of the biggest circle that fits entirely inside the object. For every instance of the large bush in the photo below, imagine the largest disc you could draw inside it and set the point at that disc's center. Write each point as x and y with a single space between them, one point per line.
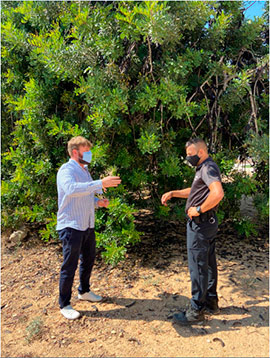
136 78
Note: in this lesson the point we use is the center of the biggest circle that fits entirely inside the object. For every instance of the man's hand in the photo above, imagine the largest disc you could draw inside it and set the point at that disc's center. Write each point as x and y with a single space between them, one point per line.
192 212
165 198
110 182
103 203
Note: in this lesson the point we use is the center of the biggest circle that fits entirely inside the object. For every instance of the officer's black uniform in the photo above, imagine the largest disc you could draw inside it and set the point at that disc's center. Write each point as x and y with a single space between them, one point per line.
201 232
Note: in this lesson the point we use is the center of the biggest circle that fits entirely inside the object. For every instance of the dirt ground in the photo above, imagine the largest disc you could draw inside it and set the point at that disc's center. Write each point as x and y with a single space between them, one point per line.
140 297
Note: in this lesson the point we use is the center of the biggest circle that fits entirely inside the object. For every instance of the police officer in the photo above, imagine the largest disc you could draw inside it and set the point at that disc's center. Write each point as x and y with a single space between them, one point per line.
202 201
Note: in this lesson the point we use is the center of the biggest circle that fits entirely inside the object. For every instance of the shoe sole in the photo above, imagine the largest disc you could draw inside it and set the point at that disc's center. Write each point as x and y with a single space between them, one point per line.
181 323
70 318
83 299
187 323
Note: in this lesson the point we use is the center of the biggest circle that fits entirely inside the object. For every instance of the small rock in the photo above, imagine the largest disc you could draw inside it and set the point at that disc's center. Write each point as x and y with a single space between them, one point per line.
27 306
113 332
134 340
92 340
237 324
18 236
128 286
220 341
130 304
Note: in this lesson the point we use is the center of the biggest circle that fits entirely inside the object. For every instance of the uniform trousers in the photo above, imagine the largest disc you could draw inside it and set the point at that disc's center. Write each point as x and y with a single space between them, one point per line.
202 261
76 245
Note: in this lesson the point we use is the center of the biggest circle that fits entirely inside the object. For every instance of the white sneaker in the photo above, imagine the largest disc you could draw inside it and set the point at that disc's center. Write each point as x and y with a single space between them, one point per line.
69 313
89 296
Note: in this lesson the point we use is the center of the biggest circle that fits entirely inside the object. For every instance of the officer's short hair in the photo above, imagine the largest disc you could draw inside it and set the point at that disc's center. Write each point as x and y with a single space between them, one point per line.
196 141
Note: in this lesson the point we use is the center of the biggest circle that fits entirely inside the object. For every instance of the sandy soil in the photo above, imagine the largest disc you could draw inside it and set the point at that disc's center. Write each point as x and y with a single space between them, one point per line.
140 296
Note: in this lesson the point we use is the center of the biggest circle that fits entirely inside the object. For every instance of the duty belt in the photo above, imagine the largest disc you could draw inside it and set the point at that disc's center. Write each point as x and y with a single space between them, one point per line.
204 217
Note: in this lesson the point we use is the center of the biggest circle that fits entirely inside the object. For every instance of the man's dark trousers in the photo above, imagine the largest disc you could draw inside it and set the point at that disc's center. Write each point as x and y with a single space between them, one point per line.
76 244
202 261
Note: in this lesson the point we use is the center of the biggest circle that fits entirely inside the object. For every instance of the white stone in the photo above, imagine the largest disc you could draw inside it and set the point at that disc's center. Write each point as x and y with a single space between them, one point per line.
18 236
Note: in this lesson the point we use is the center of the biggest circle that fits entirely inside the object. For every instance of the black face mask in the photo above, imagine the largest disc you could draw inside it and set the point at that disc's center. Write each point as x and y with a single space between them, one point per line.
193 159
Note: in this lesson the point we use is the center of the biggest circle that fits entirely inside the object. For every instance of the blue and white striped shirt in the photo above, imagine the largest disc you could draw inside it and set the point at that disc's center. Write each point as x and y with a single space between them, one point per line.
76 197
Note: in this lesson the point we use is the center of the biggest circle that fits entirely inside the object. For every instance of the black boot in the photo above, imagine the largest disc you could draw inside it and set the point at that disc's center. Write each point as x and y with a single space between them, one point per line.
212 306
188 317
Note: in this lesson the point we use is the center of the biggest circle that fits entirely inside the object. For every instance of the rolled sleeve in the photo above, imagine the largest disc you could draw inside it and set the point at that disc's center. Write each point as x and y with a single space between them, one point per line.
67 182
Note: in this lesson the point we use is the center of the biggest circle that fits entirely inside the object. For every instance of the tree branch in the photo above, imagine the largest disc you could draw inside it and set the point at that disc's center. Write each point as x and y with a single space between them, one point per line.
150 58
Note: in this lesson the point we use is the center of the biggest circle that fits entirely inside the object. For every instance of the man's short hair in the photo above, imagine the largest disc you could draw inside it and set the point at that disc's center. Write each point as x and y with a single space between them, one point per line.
198 142
76 143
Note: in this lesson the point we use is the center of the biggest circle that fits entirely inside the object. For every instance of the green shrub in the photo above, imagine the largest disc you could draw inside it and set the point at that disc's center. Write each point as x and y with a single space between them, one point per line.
138 79
115 230
34 329
245 226
261 203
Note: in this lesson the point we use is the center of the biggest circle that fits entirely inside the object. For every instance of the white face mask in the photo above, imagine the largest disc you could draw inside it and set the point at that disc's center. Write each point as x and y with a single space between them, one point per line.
86 158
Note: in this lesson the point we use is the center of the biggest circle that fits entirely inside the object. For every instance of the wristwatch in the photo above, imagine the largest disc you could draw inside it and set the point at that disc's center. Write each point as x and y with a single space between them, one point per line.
198 208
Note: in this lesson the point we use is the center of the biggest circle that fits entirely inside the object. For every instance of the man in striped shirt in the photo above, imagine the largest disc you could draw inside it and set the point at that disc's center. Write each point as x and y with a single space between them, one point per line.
75 221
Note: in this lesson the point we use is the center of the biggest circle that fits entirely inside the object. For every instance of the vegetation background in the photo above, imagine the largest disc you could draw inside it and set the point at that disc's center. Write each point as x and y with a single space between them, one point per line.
138 79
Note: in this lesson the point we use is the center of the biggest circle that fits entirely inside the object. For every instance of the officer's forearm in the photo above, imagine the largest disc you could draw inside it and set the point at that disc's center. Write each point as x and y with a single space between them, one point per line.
212 200
184 193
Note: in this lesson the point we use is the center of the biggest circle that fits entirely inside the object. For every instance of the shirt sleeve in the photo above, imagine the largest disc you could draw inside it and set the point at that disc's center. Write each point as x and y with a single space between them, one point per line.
66 181
210 174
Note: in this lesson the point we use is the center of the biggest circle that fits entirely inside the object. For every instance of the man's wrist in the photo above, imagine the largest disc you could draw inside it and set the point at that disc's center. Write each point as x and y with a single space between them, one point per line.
202 210
171 194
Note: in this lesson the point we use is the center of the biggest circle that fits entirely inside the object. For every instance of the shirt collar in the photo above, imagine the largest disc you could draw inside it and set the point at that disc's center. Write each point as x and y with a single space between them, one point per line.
206 160
73 162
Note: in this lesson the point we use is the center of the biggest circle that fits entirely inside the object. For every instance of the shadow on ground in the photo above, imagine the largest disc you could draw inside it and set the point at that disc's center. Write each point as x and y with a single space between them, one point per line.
162 309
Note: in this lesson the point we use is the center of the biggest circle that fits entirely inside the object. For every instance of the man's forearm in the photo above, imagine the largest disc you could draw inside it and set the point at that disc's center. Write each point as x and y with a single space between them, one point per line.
215 196
184 193
212 200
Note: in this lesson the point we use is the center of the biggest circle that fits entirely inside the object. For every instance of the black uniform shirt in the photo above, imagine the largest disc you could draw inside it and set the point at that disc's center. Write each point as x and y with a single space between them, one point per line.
206 173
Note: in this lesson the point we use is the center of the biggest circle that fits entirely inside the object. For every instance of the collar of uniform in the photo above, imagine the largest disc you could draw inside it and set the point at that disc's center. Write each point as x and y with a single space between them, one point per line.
206 160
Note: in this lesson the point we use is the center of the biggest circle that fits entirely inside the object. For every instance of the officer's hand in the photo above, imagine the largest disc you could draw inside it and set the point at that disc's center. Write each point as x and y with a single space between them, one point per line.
165 198
192 212
103 203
